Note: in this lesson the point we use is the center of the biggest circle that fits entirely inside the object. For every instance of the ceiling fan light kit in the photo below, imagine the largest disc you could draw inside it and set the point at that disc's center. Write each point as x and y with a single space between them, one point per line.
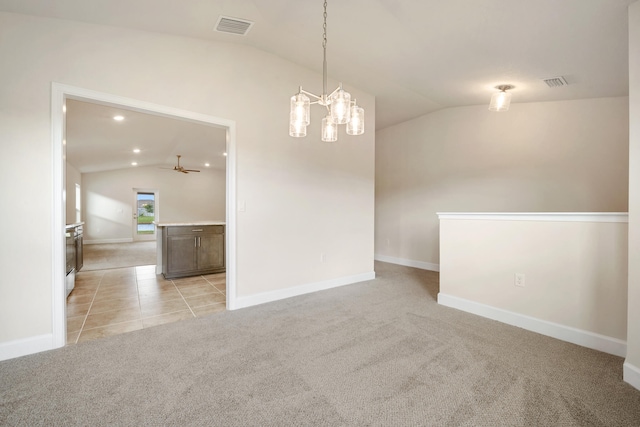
340 108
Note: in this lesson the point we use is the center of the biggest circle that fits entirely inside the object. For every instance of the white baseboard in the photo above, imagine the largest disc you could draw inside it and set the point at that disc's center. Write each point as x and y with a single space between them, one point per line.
100 241
308 288
631 374
581 337
408 262
22 347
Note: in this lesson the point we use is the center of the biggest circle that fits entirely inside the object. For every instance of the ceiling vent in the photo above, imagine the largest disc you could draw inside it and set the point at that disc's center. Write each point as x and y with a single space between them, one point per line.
227 24
555 81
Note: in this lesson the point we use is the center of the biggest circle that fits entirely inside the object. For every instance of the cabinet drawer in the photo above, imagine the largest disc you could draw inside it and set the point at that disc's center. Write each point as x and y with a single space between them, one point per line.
195 230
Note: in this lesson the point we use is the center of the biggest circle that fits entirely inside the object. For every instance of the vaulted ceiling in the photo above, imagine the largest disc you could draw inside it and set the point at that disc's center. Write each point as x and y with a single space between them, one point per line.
96 142
415 56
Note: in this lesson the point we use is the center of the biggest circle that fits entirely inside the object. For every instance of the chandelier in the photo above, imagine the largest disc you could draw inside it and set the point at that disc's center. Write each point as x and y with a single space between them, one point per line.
340 108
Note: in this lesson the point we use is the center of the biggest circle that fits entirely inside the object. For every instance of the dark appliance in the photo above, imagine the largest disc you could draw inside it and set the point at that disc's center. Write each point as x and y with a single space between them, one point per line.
70 280
79 254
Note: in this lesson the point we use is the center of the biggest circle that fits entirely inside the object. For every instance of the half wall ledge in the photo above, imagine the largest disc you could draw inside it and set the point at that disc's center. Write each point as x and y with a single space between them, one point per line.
562 274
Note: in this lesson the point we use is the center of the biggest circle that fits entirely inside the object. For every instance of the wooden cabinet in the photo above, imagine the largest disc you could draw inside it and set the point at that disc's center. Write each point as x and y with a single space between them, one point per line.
192 250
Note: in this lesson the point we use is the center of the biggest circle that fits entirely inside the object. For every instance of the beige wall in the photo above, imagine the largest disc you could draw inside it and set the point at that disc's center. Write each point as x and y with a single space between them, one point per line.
632 362
551 156
302 197
575 271
108 199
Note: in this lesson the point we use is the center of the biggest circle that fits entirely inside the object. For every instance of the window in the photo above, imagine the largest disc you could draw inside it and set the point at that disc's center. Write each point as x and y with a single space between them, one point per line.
145 203
78 204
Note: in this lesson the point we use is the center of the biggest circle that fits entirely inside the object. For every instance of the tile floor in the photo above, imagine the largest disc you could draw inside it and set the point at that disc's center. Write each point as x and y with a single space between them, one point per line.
115 301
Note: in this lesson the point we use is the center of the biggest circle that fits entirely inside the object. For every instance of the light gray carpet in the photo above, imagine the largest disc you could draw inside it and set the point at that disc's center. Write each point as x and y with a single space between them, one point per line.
378 353
104 256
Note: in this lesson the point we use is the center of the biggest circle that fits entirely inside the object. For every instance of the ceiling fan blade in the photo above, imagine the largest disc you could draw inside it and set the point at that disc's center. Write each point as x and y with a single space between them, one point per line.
179 168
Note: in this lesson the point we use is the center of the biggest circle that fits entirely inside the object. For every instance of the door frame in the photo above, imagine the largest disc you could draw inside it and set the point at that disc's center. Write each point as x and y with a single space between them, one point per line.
156 213
59 94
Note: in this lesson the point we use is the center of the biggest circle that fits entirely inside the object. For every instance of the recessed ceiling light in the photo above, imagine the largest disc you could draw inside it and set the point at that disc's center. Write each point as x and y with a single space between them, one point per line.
136 150
118 118
224 154
134 163
207 164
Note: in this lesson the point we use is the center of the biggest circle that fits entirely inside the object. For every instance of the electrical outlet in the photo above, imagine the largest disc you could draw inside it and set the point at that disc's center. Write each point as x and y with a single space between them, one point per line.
519 280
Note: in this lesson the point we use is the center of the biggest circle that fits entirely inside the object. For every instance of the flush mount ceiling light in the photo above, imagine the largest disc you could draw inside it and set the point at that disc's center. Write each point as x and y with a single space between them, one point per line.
340 109
500 101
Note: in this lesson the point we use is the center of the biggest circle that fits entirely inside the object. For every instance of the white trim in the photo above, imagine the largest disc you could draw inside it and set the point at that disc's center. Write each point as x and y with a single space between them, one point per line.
25 346
631 374
264 297
230 226
538 216
408 262
581 337
60 92
58 219
101 241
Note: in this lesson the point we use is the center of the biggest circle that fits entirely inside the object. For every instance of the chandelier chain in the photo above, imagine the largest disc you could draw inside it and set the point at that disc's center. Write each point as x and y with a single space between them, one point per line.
324 54
324 27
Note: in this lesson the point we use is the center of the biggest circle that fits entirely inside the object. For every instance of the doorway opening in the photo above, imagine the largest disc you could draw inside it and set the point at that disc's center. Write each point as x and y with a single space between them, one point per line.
61 93
145 208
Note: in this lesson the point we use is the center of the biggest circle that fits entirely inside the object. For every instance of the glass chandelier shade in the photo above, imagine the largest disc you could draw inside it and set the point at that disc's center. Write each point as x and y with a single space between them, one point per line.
356 122
340 107
500 101
329 130
341 110
300 111
297 129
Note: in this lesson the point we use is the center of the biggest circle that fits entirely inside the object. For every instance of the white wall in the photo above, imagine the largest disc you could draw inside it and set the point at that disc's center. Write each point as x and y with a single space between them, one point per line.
575 273
632 362
73 177
108 199
551 156
302 197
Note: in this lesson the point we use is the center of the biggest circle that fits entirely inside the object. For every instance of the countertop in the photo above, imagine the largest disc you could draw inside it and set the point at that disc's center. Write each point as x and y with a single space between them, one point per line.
188 224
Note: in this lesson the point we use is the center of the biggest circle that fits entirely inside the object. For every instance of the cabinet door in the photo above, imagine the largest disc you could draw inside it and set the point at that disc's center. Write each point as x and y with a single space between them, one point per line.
181 254
211 252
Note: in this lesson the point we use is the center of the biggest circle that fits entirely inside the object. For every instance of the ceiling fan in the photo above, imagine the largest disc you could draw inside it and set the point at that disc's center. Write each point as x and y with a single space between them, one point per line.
179 168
